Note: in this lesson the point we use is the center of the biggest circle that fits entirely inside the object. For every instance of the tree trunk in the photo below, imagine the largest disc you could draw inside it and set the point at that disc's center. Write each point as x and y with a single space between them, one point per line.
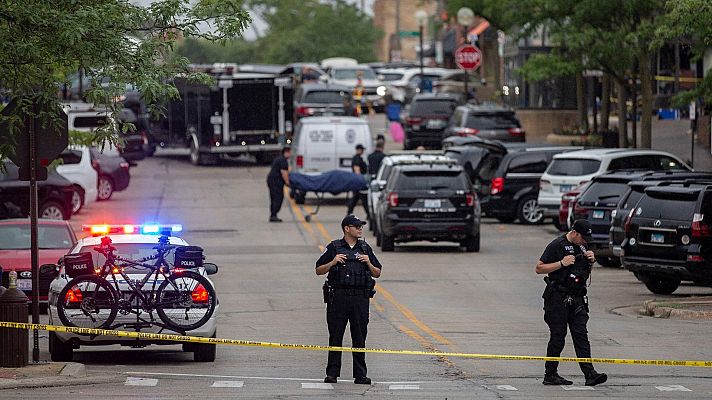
622 117
581 102
605 101
646 89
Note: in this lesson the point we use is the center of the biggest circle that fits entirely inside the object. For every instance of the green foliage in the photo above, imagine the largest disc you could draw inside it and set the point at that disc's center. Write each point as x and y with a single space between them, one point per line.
119 45
540 67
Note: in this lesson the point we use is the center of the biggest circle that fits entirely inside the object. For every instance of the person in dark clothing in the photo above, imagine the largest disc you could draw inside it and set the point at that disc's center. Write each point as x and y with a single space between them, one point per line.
359 167
349 108
276 179
568 264
375 158
351 267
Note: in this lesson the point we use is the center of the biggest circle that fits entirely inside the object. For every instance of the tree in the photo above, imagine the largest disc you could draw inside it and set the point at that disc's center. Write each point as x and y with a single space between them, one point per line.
115 43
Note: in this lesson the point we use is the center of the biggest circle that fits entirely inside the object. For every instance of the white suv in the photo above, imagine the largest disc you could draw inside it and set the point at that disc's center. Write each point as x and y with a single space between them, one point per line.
569 170
77 168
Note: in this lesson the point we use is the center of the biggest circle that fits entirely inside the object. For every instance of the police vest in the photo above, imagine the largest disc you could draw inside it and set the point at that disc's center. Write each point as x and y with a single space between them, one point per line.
354 273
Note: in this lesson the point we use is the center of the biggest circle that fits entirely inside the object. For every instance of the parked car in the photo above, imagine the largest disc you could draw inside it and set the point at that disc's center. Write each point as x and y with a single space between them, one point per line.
54 195
379 181
77 168
572 169
514 186
487 121
428 202
668 236
113 171
407 81
347 75
54 239
427 118
568 201
320 99
454 82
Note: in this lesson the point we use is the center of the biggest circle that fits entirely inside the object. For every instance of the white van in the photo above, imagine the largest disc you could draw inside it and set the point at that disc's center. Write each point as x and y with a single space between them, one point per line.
323 144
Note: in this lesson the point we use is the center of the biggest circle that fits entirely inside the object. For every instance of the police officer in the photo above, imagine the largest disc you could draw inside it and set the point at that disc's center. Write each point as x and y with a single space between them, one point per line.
375 158
351 267
276 179
358 166
568 264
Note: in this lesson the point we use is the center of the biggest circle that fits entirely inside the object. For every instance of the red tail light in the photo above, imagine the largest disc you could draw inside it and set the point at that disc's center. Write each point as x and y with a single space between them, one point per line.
95 165
73 296
462 131
626 224
516 132
695 258
200 295
699 229
300 161
304 111
393 199
497 185
470 199
144 137
579 211
124 165
413 120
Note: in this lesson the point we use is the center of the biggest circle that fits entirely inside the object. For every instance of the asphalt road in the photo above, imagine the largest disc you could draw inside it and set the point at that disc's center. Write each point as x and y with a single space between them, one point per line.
431 297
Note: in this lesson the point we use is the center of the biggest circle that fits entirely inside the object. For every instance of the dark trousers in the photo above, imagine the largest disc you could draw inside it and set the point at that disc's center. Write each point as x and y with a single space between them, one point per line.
356 195
559 316
354 311
276 196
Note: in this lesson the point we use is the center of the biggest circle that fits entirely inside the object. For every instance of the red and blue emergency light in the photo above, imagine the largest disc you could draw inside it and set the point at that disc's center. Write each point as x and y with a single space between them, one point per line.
129 229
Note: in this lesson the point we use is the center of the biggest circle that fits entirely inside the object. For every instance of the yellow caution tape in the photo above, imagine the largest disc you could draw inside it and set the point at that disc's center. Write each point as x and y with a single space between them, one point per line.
666 78
235 342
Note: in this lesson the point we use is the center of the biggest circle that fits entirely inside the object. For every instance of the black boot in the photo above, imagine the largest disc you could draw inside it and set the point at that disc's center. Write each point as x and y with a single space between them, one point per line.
556 379
595 378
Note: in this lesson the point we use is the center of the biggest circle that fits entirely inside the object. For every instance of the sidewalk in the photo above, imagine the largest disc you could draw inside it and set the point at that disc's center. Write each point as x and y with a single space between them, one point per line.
693 308
48 375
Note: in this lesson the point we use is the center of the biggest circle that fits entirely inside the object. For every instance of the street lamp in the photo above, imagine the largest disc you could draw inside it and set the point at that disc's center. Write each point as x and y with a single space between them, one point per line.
465 17
421 16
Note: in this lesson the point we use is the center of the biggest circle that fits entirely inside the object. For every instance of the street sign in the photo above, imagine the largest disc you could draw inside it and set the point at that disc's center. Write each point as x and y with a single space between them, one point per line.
409 33
50 140
468 57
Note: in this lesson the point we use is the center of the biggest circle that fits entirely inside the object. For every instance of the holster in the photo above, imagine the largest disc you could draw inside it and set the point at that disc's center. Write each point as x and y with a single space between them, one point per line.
328 293
549 287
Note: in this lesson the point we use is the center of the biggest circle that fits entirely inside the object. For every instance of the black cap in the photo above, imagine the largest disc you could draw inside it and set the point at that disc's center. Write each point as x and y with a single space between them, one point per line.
583 227
360 147
351 220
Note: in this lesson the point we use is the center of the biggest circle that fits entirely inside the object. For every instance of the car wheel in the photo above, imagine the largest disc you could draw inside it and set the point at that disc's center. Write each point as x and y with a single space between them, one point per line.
76 200
660 285
105 189
195 158
472 244
612 262
52 210
203 352
528 211
387 242
506 220
59 350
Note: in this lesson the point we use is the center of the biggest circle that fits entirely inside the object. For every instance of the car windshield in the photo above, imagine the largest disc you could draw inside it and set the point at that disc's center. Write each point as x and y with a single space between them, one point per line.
391 76
605 192
433 107
17 237
573 167
432 180
325 96
492 121
352 73
128 250
90 122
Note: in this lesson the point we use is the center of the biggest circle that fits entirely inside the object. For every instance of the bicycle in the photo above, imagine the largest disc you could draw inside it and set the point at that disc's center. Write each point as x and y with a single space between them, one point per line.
184 300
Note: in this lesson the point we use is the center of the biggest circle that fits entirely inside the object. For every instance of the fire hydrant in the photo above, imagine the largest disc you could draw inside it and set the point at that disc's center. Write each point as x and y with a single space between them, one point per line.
15 343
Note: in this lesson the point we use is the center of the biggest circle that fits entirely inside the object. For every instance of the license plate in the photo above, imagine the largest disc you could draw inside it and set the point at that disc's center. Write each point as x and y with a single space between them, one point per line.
433 203
328 114
434 124
657 238
24 284
565 188
598 214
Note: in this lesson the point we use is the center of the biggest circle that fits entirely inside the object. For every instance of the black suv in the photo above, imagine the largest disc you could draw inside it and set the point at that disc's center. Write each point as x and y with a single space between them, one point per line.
427 118
429 202
488 121
668 237
54 195
320 99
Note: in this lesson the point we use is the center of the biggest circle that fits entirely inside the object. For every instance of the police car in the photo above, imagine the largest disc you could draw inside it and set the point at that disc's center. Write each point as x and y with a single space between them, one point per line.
131 241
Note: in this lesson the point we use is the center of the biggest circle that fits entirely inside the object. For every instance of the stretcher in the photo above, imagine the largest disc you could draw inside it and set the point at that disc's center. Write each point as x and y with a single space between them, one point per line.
334 182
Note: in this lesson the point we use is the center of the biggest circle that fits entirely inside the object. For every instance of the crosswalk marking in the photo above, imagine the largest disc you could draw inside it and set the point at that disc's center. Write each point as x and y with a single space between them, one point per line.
577 387
228 384
133 381
672 388
320 385
404 387
506 387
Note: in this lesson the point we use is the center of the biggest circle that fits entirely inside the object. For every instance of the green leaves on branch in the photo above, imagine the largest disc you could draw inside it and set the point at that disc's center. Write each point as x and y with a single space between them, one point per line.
541 67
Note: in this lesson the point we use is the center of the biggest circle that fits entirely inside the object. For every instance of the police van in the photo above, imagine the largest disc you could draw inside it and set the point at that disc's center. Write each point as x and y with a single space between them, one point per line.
323 144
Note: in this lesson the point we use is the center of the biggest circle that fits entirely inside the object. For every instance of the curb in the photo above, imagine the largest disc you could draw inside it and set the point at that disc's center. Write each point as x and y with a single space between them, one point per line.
652 309
70 375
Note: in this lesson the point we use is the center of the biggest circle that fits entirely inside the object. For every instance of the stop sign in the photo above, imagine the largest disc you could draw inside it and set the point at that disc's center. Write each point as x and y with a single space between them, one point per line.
468 57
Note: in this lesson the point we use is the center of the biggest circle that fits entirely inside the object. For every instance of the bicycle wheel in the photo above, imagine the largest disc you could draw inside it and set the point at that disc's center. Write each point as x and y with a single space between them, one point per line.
87 302
185 301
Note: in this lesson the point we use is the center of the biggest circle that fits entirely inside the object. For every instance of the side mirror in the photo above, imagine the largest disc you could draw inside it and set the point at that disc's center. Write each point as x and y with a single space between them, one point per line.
210 268
375 186
49 270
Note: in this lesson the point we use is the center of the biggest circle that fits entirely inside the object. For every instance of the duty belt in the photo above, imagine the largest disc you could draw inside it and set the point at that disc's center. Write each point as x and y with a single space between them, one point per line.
350 291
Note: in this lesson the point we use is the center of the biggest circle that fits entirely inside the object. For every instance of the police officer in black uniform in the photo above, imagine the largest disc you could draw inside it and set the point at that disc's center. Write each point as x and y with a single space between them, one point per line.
376 158
351 267
359 166
568 264
276 179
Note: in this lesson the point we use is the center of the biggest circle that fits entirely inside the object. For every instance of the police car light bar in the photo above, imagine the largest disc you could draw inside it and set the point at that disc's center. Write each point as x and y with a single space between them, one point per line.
128 229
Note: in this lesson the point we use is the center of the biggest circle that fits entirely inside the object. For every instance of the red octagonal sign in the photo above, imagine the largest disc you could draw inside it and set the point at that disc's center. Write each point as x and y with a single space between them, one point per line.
468 57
